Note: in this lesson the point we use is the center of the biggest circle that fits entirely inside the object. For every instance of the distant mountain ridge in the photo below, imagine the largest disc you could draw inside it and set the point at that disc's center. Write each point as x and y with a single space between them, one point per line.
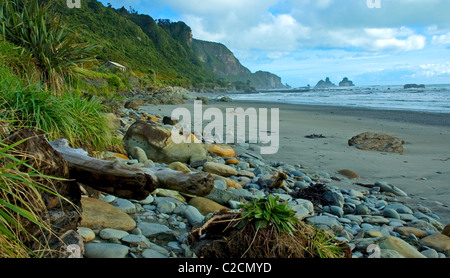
163 48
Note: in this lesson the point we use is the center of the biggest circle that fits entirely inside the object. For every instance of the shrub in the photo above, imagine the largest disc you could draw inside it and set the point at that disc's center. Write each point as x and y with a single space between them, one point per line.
41 32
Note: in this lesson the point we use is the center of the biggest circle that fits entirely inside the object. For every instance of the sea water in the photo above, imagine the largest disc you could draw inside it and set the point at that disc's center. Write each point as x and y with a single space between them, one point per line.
434 98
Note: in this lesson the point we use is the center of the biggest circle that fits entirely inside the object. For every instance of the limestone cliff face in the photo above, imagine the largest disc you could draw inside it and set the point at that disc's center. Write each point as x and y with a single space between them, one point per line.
222 62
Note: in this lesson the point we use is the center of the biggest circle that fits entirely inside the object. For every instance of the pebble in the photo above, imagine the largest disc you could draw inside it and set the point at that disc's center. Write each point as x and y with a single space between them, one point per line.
153 229
124 205
334 210
193 215
86 233
105 250
391 213
362 210
152 254
110 234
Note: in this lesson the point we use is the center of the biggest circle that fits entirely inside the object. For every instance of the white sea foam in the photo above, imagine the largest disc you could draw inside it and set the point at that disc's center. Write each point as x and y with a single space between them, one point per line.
435 98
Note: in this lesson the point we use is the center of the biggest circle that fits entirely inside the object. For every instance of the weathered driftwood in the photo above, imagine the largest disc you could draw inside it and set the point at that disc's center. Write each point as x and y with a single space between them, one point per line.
129 182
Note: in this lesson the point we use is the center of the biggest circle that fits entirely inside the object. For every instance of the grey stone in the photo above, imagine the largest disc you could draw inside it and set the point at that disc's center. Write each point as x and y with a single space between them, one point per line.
390 254
243 165
154 229
124 205
325 222
110 234
105 250
136 240
301 184
221 196
376 219
400 208
220 184
109 198
335 198
147 201
355 218
355 193
334 210
362 210
166 206
430 253
385 187
152 254
391 213
193 215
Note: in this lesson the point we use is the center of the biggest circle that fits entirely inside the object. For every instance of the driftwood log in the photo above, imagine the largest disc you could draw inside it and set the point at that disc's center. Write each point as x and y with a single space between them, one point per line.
129 182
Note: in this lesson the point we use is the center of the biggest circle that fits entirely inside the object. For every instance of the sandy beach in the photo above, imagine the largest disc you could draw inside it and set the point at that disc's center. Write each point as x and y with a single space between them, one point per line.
423 170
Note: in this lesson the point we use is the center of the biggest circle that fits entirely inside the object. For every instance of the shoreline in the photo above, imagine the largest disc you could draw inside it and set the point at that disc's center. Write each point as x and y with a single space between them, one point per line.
421 171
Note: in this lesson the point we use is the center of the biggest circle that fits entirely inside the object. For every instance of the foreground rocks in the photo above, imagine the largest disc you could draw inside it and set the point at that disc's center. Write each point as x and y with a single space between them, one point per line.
374 222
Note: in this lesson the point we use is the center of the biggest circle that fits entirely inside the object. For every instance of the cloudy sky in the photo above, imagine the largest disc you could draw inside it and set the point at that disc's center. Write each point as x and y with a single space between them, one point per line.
303 41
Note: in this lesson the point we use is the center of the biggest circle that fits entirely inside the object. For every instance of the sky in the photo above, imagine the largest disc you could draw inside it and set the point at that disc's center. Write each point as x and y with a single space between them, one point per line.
372 42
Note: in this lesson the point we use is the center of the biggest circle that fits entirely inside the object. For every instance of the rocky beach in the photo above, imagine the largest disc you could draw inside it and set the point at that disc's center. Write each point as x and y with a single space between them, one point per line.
381 203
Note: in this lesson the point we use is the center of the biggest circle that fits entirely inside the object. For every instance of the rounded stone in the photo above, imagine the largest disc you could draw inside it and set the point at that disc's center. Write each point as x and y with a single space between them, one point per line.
391 213
105 250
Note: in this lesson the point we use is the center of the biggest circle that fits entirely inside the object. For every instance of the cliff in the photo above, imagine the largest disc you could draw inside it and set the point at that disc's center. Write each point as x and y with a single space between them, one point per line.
221 61
161 47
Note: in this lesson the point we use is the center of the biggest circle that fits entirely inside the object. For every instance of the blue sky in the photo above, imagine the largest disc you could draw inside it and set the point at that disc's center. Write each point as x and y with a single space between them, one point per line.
303 41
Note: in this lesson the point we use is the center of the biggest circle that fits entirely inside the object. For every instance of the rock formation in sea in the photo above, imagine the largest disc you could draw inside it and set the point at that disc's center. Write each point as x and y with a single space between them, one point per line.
346 83
324 84
414 86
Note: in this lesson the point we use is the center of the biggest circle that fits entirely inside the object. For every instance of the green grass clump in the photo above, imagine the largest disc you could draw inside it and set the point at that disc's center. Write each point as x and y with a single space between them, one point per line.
269 211
79 120
21 207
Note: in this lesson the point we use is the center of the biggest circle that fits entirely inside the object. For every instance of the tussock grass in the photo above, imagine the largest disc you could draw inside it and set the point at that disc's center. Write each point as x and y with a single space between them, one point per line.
79 120
22 208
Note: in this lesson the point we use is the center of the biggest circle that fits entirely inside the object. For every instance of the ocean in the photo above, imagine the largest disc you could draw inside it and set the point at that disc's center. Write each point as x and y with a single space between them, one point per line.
434 98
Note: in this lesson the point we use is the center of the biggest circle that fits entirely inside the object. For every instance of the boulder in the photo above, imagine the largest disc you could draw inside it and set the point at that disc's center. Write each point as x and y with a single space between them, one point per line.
98 214
158 145
381 142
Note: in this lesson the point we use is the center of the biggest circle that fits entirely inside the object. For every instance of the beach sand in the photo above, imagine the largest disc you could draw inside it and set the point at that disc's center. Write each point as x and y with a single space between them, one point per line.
423 171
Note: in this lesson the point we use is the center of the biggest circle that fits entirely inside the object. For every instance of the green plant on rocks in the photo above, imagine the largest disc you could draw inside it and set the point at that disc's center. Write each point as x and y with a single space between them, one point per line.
269 211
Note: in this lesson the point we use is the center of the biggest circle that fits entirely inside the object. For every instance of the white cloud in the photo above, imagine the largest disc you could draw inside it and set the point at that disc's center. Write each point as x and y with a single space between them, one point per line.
441 39
431 70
